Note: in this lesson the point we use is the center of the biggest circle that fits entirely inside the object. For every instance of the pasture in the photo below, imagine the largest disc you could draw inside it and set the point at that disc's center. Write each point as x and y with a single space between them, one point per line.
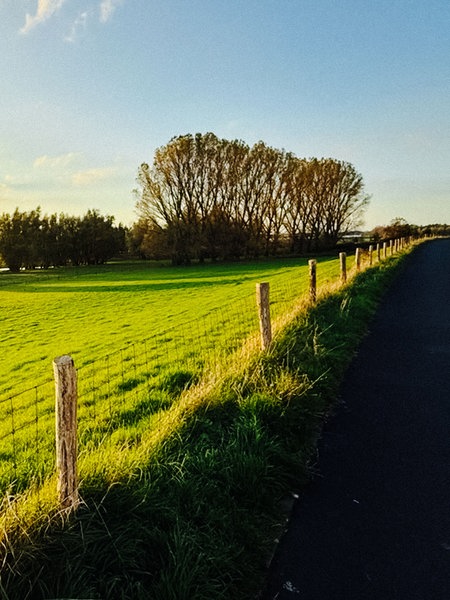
139 334
181 494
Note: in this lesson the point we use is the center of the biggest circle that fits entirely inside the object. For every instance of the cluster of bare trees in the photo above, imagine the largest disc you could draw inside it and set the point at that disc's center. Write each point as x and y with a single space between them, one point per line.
205 197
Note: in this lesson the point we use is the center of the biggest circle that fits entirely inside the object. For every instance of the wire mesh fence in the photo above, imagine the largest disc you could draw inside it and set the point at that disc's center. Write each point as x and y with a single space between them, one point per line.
26 438
118 389
136 381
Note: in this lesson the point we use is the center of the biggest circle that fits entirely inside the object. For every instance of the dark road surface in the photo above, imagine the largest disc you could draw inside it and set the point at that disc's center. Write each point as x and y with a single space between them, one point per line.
375 524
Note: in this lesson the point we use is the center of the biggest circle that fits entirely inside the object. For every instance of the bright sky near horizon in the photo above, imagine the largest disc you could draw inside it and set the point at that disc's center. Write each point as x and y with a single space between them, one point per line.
90 88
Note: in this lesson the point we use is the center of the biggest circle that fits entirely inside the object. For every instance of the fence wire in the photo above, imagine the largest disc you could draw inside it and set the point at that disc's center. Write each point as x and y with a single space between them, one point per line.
136 381
27 438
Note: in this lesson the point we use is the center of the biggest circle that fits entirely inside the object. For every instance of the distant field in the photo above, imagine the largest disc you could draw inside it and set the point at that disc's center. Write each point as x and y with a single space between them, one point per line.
138 333
90 312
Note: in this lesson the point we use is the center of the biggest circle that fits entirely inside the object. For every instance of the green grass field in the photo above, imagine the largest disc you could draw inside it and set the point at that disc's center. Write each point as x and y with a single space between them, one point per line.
139 334
186 502
90 312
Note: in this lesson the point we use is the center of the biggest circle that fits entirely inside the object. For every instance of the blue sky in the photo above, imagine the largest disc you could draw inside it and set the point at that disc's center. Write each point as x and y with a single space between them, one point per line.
90 88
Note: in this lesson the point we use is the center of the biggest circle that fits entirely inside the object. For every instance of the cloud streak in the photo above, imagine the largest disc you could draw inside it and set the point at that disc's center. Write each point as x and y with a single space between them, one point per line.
79 24
92 176
45 10
107 8
56 162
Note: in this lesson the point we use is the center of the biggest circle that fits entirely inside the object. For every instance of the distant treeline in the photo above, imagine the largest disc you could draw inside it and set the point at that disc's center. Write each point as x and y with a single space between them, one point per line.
30 240
209 198
399 228
205 197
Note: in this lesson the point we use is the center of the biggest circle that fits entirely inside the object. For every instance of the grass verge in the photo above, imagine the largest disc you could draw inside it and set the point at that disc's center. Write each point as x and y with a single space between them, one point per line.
193 513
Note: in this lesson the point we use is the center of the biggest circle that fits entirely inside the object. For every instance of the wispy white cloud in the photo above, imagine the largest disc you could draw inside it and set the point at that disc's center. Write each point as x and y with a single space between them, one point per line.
8 179
4 191
92 176
107 8
78 25
12 188
56 162
45 9
66 168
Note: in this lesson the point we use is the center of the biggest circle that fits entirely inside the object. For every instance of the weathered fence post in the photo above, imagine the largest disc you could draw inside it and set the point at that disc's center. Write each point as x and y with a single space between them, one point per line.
391 247
370 255
66 430
384 249
378 252
312 279
343 264
358 259
262 300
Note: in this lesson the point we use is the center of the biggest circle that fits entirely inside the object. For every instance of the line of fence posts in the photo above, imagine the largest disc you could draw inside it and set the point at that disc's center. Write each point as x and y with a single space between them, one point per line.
262 289
65 376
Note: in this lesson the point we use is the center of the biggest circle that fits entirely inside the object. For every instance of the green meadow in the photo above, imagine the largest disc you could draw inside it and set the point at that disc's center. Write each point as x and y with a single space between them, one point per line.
192 441
92 311
139 333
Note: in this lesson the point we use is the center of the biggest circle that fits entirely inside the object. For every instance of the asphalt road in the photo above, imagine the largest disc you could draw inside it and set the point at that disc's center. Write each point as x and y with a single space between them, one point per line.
375 524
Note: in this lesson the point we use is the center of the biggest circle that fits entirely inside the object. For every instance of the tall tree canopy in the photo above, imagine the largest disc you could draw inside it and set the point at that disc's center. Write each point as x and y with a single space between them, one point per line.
209 197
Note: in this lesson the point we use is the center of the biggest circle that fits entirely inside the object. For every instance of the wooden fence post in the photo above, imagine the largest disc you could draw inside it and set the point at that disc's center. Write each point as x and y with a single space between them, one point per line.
391 247
312 280
343 264
262 300
358 259
66 430
370 255
384 249
378 252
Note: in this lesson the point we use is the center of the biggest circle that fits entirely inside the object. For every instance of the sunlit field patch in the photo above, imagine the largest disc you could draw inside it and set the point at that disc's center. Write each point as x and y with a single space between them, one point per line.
139 334
90 312
168 478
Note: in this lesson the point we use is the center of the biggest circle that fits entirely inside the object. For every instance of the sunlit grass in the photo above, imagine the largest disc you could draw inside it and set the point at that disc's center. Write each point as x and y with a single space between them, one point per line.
140 334
90 312
183 503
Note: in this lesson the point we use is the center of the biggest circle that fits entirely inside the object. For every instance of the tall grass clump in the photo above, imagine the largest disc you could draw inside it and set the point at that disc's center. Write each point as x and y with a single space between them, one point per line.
191 510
